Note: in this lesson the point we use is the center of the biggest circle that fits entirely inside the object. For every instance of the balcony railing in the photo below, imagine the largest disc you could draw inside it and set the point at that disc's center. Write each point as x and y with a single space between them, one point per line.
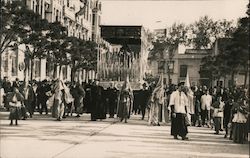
69 12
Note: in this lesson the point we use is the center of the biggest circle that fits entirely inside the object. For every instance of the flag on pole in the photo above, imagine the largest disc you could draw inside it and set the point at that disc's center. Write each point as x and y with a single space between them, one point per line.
187 82
159 90
190 97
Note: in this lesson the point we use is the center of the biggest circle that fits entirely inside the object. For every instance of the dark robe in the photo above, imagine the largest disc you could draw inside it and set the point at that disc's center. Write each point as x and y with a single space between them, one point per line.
88 99
125 104
143 100
98 109
112 100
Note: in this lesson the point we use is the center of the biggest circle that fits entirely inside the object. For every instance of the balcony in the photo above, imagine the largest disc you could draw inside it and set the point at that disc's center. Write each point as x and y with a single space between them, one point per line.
84 23
69 12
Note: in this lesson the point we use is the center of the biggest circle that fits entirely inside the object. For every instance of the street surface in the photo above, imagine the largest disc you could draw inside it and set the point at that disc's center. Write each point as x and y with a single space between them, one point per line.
43 137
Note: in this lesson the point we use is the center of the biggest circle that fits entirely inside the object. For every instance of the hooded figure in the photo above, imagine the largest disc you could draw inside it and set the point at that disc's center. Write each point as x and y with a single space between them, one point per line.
62 96
125 101
156 100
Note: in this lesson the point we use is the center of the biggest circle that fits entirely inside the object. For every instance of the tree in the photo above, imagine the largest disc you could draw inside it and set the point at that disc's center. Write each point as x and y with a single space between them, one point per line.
22 26
233 54
237 51
205 31
83 55
33 37
58 46
165 47
9 27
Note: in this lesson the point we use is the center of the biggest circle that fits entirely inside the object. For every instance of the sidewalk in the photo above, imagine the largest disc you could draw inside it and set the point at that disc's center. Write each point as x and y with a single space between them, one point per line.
43 137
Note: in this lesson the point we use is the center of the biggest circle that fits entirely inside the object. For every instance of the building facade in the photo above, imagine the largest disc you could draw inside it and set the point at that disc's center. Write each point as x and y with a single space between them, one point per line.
188 61
80 17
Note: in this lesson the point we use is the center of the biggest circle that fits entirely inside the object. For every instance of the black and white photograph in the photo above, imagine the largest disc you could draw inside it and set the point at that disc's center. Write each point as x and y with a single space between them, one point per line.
124 79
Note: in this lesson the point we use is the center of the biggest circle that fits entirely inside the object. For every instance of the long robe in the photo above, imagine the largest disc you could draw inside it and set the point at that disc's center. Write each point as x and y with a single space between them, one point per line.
125 104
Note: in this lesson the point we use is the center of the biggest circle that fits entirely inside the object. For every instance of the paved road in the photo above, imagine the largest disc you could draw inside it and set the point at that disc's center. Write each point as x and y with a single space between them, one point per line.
42 137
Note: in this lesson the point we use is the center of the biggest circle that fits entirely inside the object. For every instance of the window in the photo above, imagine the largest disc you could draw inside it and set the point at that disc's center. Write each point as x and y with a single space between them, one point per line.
5 63
161 66
37 8
41 7
93 19
67 3
57 13
33 6
14 65
183 70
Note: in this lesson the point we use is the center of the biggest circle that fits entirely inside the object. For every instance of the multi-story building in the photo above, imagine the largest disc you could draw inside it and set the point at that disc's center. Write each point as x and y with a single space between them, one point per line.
188 61
80 17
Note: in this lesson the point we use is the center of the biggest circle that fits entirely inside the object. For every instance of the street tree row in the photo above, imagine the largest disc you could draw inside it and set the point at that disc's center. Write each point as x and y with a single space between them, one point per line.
21 26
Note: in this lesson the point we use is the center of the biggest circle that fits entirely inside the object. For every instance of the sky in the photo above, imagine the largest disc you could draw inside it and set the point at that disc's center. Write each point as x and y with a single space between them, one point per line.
154 14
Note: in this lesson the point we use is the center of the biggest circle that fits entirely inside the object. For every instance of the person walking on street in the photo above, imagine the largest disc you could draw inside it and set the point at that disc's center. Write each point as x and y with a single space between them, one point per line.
78 94
125 102
217 108
143 99
59 99
206 102
15 101
178 104
156 101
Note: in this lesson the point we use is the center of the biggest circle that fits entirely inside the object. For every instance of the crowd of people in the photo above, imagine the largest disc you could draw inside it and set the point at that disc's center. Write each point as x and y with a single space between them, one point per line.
221 109
216 108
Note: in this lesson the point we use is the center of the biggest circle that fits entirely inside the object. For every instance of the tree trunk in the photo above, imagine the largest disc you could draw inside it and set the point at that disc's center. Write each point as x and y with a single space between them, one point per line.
246 74
224 81
26 71
55 71
60 71
31 69
232 79
72 76
1 66
245 79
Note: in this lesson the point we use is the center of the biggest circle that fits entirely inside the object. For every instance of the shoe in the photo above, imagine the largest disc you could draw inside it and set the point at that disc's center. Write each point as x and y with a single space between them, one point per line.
11 124
78 116
225 136
158 124
221 130
184 138
175 137
216 133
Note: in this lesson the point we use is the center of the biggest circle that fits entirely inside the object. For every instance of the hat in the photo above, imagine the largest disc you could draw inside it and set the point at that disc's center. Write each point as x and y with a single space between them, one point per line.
181 84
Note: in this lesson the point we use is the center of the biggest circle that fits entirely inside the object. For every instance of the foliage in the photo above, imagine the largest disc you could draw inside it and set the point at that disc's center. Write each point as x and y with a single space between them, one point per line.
233 53
205 31
149 78
165 46
58 46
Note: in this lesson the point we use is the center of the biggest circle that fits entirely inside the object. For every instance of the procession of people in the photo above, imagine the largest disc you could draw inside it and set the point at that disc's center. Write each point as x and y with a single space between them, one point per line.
221 109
